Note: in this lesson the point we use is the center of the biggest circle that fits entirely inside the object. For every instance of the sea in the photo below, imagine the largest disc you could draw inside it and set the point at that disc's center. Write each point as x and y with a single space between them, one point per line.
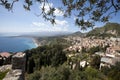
16 44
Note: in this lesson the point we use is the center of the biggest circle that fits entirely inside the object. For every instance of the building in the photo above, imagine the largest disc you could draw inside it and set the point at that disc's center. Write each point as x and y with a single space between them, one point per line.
19 61
6 57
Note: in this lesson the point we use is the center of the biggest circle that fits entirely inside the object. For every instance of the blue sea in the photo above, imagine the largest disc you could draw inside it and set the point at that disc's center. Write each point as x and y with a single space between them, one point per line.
16 44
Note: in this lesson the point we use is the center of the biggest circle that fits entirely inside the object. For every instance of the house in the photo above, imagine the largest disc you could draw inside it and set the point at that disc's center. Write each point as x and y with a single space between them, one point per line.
108 61
6 57
83 63
100 53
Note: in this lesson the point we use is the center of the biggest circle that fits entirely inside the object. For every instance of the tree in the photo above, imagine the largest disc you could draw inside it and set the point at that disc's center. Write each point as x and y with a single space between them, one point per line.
94 49
31 65
58 58
77 75
94 74
94 10
35 76
95 62
114 72
51 73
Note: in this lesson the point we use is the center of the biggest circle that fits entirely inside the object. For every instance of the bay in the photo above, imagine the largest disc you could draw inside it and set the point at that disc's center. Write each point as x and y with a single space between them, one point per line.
16 44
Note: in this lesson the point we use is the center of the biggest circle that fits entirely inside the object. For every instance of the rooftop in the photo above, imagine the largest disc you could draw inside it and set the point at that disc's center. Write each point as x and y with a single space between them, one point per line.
5 54
19 54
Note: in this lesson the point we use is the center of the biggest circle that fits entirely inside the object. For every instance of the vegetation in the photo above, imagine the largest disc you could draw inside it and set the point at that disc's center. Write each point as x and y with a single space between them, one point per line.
45 56
106 31
95 62
78 33
54 40
93 10
64 73
49 62
94 49
113 73
50 73
3 74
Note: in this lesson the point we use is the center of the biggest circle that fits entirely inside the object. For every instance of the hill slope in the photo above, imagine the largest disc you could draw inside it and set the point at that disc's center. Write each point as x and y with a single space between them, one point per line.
110 29
78 33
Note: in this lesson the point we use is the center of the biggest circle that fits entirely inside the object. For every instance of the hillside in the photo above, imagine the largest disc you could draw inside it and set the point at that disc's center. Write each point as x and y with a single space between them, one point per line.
108 30
78 33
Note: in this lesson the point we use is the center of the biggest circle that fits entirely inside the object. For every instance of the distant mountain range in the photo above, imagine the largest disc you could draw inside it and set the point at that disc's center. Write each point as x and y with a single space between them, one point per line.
108 30
36 34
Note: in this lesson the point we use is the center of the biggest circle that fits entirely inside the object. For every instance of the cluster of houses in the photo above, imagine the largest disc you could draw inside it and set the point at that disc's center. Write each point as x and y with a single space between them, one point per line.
78 43
108 58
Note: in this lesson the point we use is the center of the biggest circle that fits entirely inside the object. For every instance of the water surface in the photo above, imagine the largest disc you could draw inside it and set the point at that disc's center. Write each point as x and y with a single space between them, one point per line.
16 44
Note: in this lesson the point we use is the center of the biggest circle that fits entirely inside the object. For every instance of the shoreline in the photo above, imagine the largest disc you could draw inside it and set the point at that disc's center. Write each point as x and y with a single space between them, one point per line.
36 42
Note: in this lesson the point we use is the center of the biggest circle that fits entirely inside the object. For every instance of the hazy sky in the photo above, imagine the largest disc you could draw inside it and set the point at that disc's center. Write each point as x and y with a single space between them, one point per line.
21 20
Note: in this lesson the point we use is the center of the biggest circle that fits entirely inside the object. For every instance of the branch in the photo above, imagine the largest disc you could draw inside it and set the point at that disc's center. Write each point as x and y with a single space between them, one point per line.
114 5
12 4
3 2
112 12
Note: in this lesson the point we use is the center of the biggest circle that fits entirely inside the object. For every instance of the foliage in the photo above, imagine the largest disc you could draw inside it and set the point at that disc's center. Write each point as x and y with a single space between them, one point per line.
93 10
95 62
78 75
94 49
64 73
50 73
45 56
31 65
3 74
35 76
94 74
77 34
114 72
102 31
54 40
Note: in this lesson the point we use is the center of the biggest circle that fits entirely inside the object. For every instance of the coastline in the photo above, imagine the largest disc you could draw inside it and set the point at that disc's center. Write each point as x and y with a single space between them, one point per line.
17 44
36 42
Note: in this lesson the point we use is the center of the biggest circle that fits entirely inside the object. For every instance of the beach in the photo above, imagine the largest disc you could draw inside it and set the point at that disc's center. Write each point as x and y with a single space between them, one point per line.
36 42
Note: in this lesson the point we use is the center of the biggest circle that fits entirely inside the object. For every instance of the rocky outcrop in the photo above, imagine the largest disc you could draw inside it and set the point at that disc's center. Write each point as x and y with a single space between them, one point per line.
5 67
14 75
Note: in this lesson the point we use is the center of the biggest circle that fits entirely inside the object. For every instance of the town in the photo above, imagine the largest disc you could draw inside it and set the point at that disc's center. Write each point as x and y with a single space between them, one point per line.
81 51
110 56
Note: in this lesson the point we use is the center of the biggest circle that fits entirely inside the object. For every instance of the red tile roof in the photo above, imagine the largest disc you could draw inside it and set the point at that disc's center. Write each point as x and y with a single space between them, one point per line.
5 54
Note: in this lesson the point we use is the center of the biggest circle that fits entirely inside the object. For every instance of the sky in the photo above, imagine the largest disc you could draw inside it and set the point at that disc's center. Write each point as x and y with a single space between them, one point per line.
22 21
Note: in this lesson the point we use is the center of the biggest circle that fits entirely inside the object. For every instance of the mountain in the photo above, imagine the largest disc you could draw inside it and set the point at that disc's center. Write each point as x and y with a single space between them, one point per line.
45 34
78 33
108 30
